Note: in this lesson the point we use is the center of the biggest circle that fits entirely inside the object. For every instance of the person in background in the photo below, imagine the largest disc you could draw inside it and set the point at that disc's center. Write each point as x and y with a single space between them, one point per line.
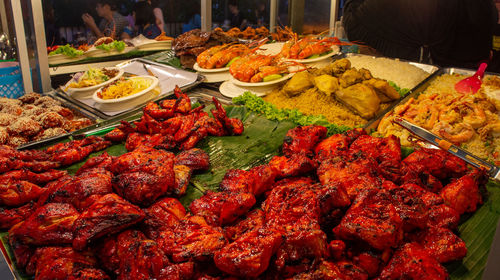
447 33
112 24
158 13
145 22
236 18
261 14
194 19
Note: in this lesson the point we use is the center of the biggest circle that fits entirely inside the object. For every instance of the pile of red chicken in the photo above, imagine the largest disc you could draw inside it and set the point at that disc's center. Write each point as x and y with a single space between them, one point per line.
344 207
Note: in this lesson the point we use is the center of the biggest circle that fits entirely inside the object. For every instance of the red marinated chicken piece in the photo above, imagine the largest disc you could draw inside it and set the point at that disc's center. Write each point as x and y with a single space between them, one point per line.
442 244
76 150
135 140
120 133
81 191
372 218
412 261
107 215
17 193
143 175
355 176
231 126
257 180
385 151
249 255
463 194
303 139
329 270
253 221
295 165
64 263
334 147
436 162
191 239
162 215
51 224
10 217
35 178
182 175
102 161
196 159
222 208
443 216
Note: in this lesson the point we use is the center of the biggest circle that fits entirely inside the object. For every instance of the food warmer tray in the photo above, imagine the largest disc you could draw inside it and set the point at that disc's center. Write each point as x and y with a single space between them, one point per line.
373 124
101 115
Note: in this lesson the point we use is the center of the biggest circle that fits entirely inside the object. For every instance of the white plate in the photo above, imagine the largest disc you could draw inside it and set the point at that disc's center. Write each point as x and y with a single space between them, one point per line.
205 70
271 49
132 103
88 91
335 50
216 77
229 89
261 84
154 83
93 52
61 58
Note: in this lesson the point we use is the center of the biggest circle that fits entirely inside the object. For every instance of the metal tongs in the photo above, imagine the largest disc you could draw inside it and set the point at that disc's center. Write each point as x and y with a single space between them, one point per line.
437 141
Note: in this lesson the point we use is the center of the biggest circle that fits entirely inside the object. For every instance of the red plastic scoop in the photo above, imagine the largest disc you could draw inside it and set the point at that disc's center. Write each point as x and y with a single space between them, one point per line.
473 83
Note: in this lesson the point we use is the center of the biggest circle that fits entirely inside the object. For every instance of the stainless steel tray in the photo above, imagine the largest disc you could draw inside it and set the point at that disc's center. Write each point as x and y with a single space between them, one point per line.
102 115
373 124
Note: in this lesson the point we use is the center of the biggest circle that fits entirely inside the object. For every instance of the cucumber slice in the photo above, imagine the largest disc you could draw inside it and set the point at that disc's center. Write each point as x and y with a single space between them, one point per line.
232 60
272 77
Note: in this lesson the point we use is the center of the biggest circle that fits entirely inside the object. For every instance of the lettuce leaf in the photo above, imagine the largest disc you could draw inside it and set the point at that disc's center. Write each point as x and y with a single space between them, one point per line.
67 50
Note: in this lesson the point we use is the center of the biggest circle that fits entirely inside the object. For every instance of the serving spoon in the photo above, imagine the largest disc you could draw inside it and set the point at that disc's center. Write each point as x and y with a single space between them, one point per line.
473 83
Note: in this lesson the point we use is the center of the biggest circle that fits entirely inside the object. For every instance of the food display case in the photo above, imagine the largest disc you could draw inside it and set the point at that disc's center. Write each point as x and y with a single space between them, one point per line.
197 164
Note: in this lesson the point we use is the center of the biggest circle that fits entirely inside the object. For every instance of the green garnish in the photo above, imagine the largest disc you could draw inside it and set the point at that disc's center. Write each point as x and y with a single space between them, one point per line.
67 50
402 91
232 60
257 104
115 45
272 77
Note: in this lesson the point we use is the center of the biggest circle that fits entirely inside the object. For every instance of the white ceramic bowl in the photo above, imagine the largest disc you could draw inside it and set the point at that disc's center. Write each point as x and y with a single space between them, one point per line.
154 83
88 91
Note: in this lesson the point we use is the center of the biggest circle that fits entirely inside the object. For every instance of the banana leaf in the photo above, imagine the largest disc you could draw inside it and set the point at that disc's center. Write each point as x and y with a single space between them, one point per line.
263 138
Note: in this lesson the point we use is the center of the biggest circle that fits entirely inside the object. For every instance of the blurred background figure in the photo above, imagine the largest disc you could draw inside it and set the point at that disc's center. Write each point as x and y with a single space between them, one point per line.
447 32
261 14
144 21
236 18
192 17
112 23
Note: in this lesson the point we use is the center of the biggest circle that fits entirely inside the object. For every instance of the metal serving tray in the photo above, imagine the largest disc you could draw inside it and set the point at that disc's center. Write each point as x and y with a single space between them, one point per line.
104 116
373 124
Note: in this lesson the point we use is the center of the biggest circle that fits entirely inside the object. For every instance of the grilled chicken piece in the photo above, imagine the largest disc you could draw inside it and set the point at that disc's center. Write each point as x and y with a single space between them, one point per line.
385 151
436 162
360 98
182 175
463 194
180 271
196 159
76 150
191 239
374 219
143 175
64 263
81 191
333 147
412 261
249 255
443 216
35 178
412 203
329 270
17 193
135 140
102 161
109 214
383 89
355 176
51 224
10 217
303 139
295 165
442 244
222 208
253 221
257 180
162 215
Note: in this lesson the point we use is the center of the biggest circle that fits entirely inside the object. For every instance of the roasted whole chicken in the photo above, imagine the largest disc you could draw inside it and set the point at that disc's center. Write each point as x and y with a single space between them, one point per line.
346 206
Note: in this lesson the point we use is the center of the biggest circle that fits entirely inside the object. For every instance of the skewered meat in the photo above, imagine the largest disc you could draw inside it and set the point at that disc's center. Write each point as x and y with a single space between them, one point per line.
107 215
51 224
303 139
412 261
